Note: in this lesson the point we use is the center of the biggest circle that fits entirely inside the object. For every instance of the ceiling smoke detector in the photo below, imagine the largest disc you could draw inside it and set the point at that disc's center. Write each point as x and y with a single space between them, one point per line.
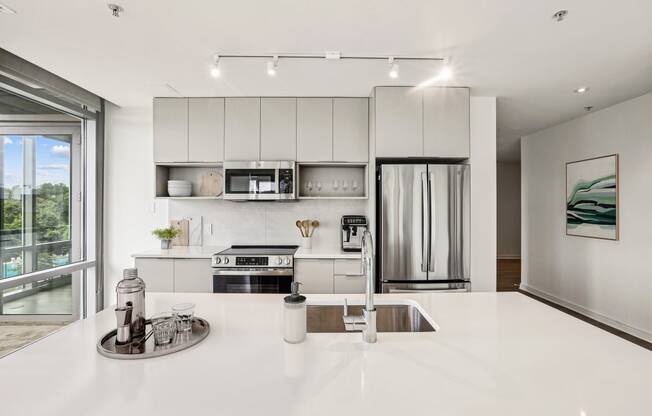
115 9
588 108
6 9
560 15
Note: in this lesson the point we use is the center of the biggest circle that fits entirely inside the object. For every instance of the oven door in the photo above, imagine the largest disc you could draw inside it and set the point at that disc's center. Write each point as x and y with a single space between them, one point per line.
240 280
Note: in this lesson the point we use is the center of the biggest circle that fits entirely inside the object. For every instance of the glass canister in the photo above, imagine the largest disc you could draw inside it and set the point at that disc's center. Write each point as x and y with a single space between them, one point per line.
130 291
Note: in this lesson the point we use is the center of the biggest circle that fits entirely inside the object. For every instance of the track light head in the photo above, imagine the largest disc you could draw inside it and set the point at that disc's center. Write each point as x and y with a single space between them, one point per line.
445 73
215 68
393 68
271 66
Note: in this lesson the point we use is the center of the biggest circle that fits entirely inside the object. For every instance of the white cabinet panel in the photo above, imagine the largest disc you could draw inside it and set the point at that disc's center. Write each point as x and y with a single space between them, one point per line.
398 122
446 122
349 284
347 267
350 129
278 129
242 129
170 130
158 274
314 129
316 276
193 275
206 130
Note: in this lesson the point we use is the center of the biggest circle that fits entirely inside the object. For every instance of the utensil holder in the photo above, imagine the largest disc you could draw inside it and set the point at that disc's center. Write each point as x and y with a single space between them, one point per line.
306 242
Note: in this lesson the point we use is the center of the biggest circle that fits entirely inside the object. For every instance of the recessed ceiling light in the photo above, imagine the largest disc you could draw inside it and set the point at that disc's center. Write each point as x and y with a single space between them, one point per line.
560 15
581 90
115 9
6 9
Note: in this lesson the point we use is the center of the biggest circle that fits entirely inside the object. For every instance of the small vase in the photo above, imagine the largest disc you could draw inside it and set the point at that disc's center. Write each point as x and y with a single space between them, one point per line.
166 244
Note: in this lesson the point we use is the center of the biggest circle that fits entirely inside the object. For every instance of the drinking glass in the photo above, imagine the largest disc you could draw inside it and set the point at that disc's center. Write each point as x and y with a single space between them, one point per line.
183 313
164 328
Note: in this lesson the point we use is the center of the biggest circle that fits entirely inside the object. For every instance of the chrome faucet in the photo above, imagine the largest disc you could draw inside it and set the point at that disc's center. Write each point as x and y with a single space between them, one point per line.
367 321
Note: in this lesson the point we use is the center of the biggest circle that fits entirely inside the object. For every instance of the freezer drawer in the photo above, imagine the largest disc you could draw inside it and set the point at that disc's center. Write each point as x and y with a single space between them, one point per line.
439 287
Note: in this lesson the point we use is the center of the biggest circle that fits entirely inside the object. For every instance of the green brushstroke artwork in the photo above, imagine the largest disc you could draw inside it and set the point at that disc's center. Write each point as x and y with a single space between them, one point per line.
593 202
592 198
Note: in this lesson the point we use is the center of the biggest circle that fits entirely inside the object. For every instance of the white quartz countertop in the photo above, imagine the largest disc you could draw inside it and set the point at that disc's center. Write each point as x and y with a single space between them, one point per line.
495 354
205 252
303 253
178 252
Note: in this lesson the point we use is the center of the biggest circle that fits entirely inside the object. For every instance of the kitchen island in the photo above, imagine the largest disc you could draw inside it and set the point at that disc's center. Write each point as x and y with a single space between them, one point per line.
493 354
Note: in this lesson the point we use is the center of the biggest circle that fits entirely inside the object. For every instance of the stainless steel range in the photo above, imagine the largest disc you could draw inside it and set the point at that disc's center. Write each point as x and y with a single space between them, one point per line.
253 269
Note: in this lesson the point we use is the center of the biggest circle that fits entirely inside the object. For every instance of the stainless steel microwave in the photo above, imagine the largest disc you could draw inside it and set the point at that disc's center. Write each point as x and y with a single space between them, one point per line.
259 180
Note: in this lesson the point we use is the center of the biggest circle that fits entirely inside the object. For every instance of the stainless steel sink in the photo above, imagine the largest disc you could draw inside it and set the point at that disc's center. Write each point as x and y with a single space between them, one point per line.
389 318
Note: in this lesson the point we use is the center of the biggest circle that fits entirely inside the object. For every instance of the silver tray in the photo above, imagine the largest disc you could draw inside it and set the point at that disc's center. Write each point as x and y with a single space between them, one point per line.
106 345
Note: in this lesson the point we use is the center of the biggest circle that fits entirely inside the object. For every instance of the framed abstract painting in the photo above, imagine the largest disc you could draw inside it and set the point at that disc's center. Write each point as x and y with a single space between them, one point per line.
592 197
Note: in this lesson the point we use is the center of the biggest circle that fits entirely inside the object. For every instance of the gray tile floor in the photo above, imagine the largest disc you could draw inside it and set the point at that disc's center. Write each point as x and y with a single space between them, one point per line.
57 301
22 329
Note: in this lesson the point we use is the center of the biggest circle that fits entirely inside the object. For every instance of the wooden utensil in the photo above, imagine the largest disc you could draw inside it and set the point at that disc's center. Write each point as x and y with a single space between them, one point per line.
314 225
306 227
298 224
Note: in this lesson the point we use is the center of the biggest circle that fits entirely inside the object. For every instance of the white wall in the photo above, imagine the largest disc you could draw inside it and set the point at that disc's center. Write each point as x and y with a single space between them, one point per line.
483 193
129 208
508 180
608 280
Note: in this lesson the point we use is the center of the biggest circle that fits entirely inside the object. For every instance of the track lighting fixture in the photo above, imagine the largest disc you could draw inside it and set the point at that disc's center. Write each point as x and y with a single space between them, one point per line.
444 74
271 66
215 69
393 68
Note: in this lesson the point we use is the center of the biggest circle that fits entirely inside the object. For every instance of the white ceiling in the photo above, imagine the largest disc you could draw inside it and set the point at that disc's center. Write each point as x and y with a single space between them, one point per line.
508 48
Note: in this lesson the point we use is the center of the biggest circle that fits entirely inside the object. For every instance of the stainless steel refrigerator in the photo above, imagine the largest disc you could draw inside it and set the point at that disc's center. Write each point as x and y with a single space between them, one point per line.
424 212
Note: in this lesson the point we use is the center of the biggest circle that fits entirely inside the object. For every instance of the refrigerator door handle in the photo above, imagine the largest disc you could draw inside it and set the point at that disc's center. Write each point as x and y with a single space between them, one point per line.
432 217
425 223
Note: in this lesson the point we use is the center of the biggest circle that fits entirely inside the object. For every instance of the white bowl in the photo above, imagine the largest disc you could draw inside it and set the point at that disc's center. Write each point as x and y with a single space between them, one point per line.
179 188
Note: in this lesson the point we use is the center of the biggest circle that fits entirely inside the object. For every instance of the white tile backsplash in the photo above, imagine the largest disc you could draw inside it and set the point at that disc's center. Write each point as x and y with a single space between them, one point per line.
268 222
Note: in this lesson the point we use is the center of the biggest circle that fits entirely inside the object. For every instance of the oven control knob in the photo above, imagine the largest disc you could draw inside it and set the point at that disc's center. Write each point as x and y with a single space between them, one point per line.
287 261
226 260
279 260
218 260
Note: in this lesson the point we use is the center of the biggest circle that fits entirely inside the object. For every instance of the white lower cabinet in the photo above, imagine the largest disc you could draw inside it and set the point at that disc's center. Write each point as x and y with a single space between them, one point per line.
175 275
158 274
193 275
329 276
349 283
316 276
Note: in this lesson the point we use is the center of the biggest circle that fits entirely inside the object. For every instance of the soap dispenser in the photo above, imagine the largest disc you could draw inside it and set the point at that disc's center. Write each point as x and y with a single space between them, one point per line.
294 316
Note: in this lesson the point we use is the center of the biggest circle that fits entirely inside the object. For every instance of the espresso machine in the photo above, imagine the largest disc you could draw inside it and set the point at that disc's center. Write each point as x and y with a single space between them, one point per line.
353 227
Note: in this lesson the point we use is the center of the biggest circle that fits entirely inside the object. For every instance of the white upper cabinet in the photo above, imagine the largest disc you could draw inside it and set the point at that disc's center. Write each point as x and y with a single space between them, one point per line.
446 122
242 129
351 129
398 122
429 122
278 129
170 130
314 129
206 130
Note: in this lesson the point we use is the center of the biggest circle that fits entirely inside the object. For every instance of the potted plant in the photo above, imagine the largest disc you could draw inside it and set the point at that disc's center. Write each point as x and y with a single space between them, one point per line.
166 235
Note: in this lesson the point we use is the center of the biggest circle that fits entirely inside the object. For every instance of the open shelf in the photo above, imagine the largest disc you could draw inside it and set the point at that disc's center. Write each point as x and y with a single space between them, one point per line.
195 173
332 181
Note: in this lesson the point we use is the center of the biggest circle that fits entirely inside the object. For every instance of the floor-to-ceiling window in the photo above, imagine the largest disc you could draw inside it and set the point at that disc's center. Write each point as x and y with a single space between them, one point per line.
40 225
47 212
